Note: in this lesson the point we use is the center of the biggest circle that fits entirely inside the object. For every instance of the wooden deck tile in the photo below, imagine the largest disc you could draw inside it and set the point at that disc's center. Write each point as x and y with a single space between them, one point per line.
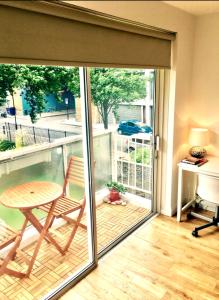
51 269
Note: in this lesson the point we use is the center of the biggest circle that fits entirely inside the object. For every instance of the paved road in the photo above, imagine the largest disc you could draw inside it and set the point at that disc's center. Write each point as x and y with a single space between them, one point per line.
56 122
53 121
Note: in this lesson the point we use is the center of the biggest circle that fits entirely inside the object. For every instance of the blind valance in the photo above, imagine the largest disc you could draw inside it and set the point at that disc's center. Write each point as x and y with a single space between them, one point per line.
57 33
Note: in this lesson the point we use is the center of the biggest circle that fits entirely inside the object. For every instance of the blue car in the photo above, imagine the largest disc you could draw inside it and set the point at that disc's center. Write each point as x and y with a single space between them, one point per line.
133 126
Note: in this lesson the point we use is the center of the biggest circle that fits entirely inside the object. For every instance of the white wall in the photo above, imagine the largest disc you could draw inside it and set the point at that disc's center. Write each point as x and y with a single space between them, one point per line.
204 108
159 14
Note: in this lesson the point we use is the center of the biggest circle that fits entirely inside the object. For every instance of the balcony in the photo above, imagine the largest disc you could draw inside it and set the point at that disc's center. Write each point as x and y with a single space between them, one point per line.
46 162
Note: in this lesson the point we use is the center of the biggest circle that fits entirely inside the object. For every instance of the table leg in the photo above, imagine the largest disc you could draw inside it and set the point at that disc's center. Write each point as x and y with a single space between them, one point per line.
14 273
21 234
179 195
39 227
3 267
43 230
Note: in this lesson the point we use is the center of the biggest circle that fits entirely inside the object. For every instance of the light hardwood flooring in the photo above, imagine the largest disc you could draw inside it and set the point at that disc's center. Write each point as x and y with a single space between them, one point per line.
161 260
51 269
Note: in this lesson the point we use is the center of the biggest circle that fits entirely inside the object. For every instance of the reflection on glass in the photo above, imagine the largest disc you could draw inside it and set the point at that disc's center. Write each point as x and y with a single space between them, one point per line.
53 107
123 103
124 157
43 166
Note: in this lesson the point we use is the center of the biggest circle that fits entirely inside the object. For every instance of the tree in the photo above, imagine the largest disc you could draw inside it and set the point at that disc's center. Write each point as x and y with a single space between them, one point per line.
41 81
111 87
10 80
62 79
34 87
37 82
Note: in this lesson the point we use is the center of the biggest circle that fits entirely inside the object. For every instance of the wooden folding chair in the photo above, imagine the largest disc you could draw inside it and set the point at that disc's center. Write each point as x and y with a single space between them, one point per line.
66 205
7 237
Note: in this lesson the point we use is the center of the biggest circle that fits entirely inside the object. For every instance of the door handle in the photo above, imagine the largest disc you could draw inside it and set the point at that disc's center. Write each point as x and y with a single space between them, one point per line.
157 143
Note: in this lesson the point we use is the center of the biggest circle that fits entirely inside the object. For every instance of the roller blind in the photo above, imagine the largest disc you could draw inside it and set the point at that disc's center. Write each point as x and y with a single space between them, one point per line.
57 33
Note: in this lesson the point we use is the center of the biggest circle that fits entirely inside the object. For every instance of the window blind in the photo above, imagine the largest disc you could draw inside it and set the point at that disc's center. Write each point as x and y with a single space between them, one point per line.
57 33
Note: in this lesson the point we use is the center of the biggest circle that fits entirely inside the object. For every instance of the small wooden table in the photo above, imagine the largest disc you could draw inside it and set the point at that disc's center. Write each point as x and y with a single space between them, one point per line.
31 195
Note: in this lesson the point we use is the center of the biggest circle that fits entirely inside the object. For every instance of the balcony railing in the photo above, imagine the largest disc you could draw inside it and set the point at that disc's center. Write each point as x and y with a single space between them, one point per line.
31 134
133 163
115 156
48 162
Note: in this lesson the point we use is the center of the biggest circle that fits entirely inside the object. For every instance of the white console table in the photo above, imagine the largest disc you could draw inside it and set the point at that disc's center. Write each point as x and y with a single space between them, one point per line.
211 168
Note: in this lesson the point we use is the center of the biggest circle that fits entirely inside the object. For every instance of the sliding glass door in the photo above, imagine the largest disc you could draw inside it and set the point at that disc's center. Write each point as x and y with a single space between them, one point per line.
117 112
123 122
93 135
49 146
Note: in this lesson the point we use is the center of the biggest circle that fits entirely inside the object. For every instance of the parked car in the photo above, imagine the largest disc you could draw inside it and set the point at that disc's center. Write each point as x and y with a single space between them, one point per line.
133 126
3 113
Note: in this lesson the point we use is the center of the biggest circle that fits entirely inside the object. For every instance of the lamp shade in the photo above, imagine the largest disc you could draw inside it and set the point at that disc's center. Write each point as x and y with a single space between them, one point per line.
198 137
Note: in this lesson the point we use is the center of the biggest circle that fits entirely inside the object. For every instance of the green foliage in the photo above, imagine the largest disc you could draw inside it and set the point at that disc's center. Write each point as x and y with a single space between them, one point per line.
10 79
62 79
6 145
111 87
113 185
40 81
37 81
35 87
141 156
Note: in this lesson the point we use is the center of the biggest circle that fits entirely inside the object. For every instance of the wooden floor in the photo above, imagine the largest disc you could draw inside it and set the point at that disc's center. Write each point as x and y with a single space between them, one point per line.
51 269
161 260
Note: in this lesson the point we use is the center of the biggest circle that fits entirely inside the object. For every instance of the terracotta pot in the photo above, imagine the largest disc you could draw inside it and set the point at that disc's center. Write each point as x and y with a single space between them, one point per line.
114 195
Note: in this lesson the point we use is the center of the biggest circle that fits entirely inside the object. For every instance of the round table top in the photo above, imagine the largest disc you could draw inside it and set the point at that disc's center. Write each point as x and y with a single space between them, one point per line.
31 194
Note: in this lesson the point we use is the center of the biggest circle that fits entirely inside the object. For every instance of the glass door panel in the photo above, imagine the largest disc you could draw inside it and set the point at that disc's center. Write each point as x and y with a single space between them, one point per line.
121 104
123 110
48 150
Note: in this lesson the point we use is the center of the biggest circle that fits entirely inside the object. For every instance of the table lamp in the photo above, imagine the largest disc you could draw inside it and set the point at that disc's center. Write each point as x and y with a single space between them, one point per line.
198 139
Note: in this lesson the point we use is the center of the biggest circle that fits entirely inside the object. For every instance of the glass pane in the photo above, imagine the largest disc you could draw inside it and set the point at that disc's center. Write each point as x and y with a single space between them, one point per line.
123 116
42 166
42 178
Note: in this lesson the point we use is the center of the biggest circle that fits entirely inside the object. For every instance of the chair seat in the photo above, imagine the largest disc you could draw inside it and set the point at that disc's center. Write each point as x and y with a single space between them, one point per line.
208 188
7 235
63 206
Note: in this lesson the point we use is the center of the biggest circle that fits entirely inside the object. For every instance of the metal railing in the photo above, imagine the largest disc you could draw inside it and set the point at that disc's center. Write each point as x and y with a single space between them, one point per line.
32 135
133 166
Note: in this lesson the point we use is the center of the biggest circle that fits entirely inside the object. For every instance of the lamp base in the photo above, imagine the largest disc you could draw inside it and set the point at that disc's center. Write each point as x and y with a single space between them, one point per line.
198 152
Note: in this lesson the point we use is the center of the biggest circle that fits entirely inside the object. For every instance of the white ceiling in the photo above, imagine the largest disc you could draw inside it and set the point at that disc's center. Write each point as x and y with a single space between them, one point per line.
196 8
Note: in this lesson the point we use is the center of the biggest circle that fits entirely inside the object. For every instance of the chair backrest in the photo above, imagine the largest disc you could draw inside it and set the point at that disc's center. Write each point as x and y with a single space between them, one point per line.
208 188
75 172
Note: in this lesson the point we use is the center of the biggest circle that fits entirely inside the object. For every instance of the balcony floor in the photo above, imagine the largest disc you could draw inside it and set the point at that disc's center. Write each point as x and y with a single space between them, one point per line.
51 268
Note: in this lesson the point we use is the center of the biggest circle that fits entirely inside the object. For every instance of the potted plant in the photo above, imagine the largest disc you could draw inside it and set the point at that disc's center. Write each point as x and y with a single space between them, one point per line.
115 189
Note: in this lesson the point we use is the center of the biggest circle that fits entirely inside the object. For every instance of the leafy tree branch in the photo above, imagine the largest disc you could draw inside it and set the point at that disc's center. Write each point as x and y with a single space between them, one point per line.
111 87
